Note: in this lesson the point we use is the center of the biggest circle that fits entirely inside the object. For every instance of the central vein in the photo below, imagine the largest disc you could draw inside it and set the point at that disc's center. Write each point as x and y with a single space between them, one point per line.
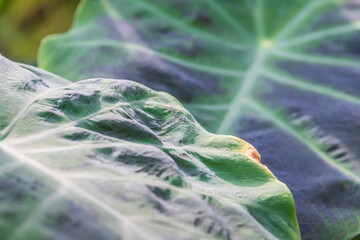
244 89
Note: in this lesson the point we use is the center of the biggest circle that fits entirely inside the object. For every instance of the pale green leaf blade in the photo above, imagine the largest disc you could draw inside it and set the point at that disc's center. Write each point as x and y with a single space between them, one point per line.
112 159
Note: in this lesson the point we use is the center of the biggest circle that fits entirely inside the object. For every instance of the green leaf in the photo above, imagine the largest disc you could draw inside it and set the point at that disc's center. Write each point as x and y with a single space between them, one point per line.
282 74
112 159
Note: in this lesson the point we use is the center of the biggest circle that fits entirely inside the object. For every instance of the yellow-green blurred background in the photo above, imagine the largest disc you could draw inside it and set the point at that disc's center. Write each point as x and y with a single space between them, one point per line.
23 23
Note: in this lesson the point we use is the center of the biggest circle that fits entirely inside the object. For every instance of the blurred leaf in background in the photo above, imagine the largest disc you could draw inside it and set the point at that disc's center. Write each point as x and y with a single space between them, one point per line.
23 23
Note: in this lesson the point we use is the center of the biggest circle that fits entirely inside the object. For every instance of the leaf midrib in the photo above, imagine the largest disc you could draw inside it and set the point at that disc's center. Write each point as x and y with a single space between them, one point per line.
255 70
66 183
242 93
61 179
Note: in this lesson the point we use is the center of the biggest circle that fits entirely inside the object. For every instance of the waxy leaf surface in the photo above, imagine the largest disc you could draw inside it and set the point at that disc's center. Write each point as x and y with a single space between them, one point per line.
111 159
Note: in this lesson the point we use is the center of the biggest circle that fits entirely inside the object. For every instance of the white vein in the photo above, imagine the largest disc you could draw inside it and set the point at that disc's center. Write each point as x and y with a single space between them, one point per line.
242 93
235 24
44 205
321 34
311 87
299 18
196 192
210 107
307 141
52 131
185 63
6 131
68 184
323 60
195 32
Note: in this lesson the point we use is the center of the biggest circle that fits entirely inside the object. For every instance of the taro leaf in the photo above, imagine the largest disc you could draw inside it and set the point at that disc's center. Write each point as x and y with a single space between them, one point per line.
112 159
282 74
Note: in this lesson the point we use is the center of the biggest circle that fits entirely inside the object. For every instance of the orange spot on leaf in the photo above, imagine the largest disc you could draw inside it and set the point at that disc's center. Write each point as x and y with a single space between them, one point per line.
249 150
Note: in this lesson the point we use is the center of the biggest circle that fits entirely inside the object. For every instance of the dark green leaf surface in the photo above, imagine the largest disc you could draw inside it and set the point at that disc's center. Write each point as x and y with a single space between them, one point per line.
111 159
284 75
